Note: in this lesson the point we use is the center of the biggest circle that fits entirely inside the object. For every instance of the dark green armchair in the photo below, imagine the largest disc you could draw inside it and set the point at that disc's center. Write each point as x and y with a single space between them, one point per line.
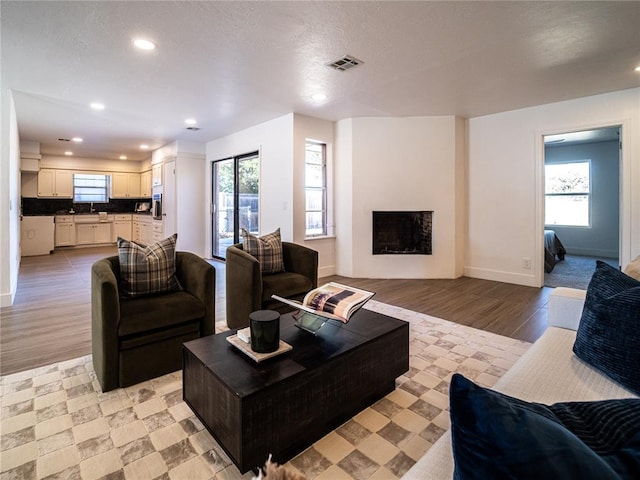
247 290
135 339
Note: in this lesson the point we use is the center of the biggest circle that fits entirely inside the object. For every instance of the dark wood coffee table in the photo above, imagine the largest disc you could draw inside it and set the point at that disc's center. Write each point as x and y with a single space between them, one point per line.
284 404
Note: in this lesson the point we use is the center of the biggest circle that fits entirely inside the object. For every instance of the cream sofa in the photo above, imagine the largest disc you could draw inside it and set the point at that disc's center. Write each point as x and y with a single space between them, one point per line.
548 372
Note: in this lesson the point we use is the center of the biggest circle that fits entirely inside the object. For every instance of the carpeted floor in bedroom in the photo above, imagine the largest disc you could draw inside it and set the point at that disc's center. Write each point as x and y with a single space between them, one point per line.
574 271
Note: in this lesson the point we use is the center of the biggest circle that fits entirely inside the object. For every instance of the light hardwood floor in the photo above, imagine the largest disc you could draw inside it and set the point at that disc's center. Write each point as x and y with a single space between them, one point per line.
50 320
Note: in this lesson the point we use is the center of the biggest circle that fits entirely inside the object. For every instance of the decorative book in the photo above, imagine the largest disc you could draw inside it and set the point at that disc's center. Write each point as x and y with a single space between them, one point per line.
331 301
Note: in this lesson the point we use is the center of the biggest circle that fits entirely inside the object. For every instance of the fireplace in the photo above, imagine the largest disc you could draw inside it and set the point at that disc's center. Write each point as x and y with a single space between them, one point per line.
402 233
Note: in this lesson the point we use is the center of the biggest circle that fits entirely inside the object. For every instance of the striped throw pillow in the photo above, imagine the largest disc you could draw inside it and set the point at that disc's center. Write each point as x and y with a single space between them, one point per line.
148 270
266 249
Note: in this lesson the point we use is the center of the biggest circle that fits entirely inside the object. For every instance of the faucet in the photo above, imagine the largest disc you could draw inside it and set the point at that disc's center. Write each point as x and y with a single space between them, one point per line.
91 210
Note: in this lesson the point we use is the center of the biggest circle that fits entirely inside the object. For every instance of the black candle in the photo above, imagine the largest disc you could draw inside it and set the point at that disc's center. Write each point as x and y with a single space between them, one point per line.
265 331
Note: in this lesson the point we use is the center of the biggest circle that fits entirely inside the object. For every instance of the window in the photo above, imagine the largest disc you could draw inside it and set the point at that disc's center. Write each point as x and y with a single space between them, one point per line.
315 189
567 190
90 188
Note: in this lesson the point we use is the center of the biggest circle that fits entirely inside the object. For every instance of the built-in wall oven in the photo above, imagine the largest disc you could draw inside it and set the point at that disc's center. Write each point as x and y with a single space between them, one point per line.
157 206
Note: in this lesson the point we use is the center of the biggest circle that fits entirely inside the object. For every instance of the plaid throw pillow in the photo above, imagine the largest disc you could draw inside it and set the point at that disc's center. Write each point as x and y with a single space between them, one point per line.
266 249
147 270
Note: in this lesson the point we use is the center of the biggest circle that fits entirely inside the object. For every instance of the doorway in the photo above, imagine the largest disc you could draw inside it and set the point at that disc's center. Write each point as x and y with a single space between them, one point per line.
236 200
582 192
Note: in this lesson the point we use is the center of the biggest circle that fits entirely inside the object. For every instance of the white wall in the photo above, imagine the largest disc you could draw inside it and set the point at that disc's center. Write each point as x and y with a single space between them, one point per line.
601 238
9 199
172 149
274 142
414 163
309 128
343 182
87 164
505 164
191 204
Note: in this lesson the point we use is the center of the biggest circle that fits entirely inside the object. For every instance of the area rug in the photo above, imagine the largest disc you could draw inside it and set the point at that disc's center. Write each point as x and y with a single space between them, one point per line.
57 423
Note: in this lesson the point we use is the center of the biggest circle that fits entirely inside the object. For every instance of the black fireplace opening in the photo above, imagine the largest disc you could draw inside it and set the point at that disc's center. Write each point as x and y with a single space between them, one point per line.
402 233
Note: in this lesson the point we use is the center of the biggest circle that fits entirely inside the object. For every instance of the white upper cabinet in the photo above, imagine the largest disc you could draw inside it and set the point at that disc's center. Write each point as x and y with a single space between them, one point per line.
156 175
55 183
125 185
145 184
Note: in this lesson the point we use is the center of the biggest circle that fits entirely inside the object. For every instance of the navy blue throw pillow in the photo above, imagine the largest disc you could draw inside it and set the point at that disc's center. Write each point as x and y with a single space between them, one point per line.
608 336
498 437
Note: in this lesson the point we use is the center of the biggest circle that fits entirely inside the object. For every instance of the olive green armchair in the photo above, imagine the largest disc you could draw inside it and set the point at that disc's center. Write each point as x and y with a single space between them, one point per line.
135 339
247 290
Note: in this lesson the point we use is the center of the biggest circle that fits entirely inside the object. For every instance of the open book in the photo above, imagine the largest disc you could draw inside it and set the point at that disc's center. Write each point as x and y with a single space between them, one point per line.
332 300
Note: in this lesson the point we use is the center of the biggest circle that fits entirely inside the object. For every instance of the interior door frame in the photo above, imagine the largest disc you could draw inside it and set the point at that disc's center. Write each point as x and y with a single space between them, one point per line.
624 212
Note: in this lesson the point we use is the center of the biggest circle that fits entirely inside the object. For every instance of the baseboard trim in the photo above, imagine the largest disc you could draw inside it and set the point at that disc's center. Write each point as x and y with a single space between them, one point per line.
6 299
590 252
528 280
326 271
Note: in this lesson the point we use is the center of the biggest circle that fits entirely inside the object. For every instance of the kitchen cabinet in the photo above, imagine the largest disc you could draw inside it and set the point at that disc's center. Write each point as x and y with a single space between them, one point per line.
156 175
122 227
143 229
183 214
125 185
55 183
91 233
65 235
135 230
145 184
157 230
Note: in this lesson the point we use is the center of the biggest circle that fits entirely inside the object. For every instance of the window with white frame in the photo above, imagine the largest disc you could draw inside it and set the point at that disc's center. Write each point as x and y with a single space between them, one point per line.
315 188
567 188
90 188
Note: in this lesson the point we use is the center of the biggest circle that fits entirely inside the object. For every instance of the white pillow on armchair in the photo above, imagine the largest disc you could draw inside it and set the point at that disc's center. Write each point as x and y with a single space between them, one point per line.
633 269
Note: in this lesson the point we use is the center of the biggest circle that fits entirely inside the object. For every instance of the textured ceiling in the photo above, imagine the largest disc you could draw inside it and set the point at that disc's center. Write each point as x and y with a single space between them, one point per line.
231 65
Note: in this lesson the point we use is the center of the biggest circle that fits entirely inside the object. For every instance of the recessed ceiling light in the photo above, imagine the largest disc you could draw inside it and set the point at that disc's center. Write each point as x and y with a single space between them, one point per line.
637 69
190 121
318 97
144 146
144 44
123 157
68 153
97 106
77 139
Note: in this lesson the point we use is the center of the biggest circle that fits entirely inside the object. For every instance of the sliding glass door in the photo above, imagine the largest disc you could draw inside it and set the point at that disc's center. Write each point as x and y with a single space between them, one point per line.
236 188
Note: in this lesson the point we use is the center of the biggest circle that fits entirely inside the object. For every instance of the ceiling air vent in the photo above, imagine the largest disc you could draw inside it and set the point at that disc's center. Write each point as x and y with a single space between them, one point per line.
193 129
345 63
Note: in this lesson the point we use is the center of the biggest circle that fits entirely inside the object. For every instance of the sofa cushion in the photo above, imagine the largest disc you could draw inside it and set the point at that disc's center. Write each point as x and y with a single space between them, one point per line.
143 315
147 270
267 249
608 336
286 284
497 436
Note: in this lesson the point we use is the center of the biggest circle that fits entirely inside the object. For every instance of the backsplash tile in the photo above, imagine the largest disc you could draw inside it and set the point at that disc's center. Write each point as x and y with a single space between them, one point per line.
58 206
